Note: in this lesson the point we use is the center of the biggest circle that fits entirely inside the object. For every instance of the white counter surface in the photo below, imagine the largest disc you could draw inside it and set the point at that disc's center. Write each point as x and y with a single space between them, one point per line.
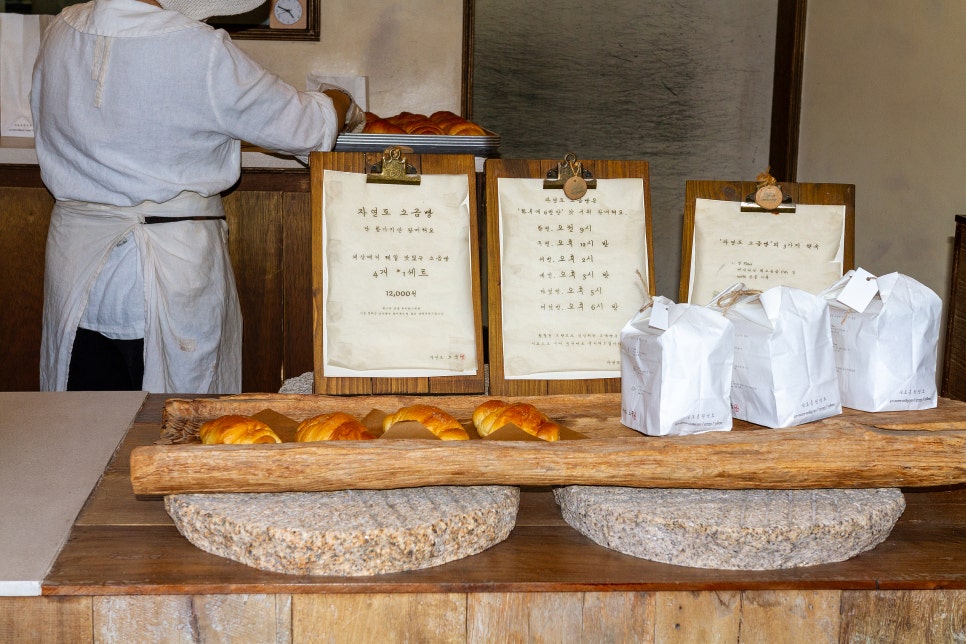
20 150
53 450
17 150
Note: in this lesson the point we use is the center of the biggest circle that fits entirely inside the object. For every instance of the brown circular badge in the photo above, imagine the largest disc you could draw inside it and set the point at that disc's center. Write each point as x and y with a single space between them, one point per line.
769 197
575 187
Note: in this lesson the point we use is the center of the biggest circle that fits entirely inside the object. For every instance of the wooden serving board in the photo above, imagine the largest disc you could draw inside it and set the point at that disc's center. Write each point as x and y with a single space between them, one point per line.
853 450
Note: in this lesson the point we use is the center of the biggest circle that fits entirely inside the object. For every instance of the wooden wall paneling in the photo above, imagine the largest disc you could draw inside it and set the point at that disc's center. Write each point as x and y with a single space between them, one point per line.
790 616
187 618
524 617
618 617
954 352
496 169
22 247
426 164
703 617
390 617
269 236
46 619
255 246
903 616
297 277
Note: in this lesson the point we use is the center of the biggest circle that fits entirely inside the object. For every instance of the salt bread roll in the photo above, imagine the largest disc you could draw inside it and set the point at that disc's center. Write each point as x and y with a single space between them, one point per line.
494 414
336 426
433 418
382 126
236 430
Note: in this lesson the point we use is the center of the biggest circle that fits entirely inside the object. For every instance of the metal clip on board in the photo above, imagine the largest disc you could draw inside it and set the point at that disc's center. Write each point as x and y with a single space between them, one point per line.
393 169
571 176
768 197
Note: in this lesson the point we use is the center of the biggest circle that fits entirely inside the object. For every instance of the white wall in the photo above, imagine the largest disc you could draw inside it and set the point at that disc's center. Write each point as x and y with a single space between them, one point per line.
884 108
411 50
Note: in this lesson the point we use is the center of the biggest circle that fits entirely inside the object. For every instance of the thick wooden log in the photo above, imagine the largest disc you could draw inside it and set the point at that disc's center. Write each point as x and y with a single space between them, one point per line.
835 453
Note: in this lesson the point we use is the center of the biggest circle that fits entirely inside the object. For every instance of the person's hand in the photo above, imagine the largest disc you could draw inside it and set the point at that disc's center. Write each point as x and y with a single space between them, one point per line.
353 118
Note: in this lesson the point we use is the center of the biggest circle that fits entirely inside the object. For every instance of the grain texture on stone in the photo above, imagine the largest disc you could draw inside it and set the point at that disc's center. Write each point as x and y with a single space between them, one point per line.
347 533
733 529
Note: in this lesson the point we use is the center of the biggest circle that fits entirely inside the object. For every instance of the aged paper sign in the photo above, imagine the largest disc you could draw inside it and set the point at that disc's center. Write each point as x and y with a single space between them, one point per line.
569 276
803 249
397 281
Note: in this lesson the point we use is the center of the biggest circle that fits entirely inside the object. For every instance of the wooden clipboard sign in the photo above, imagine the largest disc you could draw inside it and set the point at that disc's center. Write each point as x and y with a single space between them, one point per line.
725 240
562 278
388 273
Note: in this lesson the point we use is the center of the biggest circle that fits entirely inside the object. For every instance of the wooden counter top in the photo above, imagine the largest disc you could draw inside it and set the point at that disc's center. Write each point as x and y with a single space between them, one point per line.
123 545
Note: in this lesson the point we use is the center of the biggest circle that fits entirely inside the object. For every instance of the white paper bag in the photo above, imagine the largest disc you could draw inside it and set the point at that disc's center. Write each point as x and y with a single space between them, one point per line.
886 352
676 365
19 44
784 368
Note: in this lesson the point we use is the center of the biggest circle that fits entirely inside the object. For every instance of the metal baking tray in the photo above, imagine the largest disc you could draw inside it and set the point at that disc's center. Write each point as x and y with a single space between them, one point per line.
486 145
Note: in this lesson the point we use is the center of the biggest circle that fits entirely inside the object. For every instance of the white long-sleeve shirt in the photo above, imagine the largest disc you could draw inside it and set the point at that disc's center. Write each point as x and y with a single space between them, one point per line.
134 103
139 111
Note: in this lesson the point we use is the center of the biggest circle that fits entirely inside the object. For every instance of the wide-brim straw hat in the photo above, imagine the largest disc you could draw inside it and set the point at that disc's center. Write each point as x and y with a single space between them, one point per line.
203 9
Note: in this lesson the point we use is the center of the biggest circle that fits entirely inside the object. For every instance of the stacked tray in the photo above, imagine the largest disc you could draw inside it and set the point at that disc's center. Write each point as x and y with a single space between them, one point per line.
483 146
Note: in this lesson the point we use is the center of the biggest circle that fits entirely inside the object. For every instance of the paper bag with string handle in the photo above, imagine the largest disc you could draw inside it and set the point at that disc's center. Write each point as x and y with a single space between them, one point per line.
676 366
886 343
784 367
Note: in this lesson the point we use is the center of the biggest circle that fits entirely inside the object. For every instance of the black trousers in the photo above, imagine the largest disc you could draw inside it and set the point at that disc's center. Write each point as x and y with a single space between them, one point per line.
98 363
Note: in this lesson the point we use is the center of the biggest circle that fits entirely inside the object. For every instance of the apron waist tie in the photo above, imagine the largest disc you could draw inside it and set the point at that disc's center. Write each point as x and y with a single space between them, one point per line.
166 220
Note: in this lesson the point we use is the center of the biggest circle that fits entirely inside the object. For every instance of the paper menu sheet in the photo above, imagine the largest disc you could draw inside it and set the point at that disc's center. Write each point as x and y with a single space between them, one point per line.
804 249
569 276
397 282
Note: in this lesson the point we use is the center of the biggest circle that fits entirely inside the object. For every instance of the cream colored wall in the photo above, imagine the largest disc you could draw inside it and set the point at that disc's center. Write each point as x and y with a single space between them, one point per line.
884 107
411 50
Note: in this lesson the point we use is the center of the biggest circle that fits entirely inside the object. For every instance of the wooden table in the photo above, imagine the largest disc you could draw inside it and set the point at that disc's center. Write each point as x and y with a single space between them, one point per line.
127 574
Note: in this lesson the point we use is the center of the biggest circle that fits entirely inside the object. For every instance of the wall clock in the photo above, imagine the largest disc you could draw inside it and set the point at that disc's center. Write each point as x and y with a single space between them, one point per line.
288 14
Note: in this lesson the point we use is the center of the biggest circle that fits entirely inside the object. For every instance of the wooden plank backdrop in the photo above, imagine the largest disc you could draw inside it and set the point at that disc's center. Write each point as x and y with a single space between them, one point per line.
496 169
801 193
23 243
424 164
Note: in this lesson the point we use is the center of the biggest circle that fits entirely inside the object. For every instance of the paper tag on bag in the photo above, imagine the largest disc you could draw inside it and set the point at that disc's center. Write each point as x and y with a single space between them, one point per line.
659 315
859 290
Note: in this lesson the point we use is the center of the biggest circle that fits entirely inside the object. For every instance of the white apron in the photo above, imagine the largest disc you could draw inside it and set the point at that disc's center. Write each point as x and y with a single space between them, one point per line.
193 327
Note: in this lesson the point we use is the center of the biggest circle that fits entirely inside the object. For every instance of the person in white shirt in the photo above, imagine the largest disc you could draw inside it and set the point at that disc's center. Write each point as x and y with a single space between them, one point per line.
139 109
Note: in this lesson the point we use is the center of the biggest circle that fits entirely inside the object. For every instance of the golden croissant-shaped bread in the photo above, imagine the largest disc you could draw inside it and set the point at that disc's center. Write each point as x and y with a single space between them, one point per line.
234 429
336 426
494 414
433 418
